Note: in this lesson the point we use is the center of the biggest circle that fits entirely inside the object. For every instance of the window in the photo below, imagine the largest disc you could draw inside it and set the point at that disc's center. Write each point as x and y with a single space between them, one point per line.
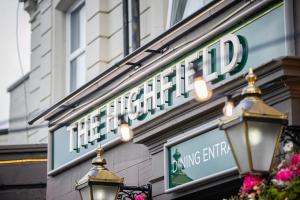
76 46
180 9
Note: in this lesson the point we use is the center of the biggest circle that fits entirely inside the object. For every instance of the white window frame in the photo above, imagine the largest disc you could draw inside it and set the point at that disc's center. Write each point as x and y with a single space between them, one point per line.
81 50
170 5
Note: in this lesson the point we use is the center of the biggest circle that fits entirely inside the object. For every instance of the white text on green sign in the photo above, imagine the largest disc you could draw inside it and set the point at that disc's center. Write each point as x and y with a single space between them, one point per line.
155 92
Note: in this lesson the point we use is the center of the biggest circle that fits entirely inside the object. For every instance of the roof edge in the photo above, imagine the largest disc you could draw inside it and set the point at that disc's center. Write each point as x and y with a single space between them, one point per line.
18 82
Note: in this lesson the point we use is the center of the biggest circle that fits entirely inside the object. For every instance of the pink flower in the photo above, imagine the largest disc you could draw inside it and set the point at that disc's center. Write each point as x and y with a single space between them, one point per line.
139 197
284 175
249 182
295 159
295 169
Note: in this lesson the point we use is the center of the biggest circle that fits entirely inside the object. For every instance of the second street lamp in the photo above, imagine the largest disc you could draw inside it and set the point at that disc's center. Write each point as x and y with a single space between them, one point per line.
99 183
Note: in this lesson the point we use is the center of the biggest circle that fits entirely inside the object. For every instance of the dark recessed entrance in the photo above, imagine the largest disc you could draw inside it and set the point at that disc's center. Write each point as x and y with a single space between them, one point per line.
220 192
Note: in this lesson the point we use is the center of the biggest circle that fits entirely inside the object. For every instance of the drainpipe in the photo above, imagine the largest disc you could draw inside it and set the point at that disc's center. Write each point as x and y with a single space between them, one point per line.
135 10
125 28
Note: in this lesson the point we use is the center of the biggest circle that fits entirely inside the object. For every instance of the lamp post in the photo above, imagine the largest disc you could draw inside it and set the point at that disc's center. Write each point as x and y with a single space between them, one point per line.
253 130
99 183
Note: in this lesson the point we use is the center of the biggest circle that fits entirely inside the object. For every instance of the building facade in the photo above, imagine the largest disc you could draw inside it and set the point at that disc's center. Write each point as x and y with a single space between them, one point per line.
23 154
100 45
96 59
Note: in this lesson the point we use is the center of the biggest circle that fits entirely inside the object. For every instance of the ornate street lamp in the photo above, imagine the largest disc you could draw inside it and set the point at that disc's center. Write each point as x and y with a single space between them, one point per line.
253 130
99 183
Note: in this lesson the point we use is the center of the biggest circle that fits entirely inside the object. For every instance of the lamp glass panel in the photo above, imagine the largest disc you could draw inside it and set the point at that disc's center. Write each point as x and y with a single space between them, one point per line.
85 193
237 140
263 138
105 192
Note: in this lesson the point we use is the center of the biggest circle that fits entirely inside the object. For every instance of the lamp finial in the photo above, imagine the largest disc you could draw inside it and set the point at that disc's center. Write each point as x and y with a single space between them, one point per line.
99 160
251 89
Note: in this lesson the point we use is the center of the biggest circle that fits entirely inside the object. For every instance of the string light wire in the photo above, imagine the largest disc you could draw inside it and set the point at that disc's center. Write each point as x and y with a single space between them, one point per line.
21 68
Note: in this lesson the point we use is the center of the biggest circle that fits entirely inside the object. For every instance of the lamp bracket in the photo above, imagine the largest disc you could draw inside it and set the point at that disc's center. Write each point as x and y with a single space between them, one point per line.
136 65
130 192
159 51
122 119
155 51
292 133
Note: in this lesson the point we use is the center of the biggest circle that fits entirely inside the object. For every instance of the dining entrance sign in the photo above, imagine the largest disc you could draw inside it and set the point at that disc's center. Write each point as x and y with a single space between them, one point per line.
197 157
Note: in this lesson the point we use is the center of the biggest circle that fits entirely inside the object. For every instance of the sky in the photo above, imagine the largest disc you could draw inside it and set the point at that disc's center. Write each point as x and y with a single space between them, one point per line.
9 64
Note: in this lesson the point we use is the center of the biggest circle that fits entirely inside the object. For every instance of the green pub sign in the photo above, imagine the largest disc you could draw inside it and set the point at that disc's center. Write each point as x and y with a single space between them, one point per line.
221 59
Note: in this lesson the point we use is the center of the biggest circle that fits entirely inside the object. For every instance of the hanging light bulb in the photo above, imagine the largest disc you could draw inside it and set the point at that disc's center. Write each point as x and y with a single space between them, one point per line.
201 89
228 107
125 131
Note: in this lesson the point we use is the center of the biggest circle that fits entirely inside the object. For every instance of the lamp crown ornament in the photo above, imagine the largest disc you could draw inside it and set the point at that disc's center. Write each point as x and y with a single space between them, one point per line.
99 160
251 89
99 172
